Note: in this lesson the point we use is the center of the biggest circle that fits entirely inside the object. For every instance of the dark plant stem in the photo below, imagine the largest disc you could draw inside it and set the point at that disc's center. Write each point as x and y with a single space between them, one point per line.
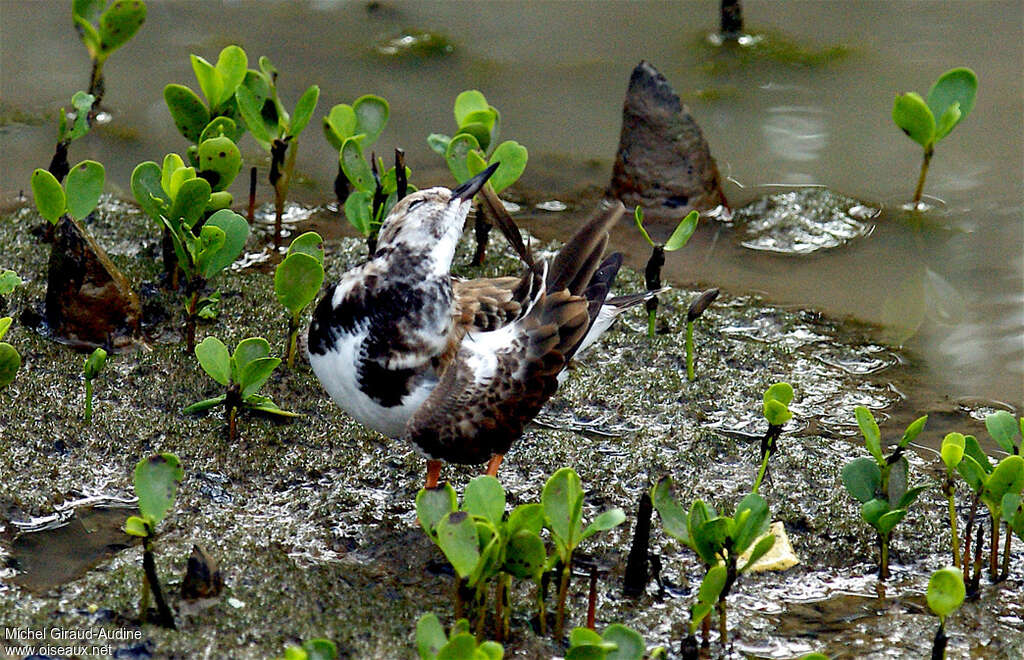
690 375
731 19
652 277
592 598
1005 570
190 321
993 564
769 443
972 585
731 573
482 231
688 649
232 402
542 615
460 606
967 532
342 188
252 195
563 590
928 152
883 560
166 619
59 165
503 606
636 577
939 643
279 180
96 84
401 183
950 491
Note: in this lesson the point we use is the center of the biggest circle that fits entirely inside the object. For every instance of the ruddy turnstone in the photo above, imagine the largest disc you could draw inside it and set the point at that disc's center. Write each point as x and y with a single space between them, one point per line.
458 367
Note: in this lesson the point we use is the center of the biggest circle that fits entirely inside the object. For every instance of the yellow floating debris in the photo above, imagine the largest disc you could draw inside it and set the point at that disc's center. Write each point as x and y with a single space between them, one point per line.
780 557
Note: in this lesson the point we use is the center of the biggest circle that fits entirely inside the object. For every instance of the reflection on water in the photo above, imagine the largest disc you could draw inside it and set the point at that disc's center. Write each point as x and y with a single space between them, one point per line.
558 72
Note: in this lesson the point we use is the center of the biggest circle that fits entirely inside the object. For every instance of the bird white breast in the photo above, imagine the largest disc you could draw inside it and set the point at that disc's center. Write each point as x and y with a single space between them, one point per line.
337 370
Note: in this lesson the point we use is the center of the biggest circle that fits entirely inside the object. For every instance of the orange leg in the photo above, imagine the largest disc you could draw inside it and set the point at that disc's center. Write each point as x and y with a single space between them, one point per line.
433 473
494 464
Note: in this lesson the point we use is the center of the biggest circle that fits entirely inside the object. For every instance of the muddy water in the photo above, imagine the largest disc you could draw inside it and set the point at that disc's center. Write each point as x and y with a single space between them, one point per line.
815 113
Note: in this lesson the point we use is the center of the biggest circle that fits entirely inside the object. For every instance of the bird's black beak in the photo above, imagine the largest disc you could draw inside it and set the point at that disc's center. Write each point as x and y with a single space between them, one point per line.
473 186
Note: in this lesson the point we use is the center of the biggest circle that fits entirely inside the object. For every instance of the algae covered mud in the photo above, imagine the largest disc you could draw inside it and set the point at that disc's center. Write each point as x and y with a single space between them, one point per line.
311 521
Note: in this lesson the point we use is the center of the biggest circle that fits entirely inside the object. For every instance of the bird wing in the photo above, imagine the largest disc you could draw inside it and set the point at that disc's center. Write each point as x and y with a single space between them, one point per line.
498 382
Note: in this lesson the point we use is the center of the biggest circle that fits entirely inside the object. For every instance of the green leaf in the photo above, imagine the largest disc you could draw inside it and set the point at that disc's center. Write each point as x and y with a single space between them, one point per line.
872 435
5 322
304 109
776 412
754 525
119 23
146 188
434 504
709 538
874 509
371 116
456 154
188 111
87 10
82 103
974 450
10 362
1012 506
513 157
485 497
253 374
528 517
457 538
475 163
309 243
231 65
1003 429
562 499
214 359
760 550
156 483
1007 477
638 218
712 584
438 143
320 649
952 450
888 521
584 637
604 522
468 102
973 473
236 233
525 555
354 165
461 646
191 199
913 117
9 281
910 497
629 643
297 280
205 404
478 132
48 195
135 526
950 117
339 124
956 86
210 80
249 349
946 591
489 651
266 405
913 431
862 479
94 364
684 230
430 636
898 480
261 119
219 162
84 187
358 211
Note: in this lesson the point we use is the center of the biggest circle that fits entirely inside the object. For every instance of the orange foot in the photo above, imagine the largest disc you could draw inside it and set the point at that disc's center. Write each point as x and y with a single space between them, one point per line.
494 464
433 473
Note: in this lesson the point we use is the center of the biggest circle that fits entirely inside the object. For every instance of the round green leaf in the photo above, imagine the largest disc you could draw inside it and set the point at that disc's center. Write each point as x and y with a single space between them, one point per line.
214 359
309 243
946 591
956 86
1007 477
467 102
952 449
339 124
432 505
529 517
210 80
219 127
188 111
485 497
673 516
888 521
458 540
190 198
371 116
156 483
119 23
430 636
236 232
478 131
862 479
146 188
84 187
630 644
94 364
231 65
48 195
219 162
604 522
1003 428
254 373
776 412
257 108
912 115
9 281
136 526
525 555
304 109
248 350
358 211
753 525
10 362
562 499
297 280
455 155
354 165
513 157
438 143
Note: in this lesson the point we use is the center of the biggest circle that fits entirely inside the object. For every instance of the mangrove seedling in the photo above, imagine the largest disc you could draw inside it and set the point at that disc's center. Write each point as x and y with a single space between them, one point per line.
474 148
945 595
562 500
156 485
10 359
312 649
433 644
652 272
9 281
93 366
374 195
499 549
928 120
952 452
78 196
708 593
243 374
274 129
69 131
617 642
103 29
776 411
1006 431
697 308
361 122
717 539
218 82
297 280
991 484
1013 514
880 483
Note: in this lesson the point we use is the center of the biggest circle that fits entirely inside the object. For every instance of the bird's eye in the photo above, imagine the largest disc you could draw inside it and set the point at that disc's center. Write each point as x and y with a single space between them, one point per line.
414 203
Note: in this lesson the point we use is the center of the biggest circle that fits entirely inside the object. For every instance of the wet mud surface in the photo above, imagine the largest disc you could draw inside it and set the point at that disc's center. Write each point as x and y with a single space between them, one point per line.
312 521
